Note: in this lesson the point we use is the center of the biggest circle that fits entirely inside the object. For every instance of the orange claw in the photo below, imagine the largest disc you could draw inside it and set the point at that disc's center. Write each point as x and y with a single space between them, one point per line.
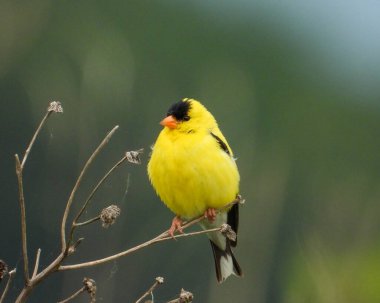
210 214
176 225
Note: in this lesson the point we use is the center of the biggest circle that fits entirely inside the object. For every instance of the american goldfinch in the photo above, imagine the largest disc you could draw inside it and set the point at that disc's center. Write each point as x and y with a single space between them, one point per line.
193 172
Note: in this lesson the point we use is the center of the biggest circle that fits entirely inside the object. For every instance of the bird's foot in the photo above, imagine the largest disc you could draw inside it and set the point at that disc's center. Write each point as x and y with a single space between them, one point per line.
176 225
210 214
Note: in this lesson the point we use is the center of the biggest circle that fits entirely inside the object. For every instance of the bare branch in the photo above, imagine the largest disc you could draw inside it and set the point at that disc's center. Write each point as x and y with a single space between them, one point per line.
87 222
159 280
195 233
74 295
54 106
23 219
161 237
43 121
86 203
76 186
11 274
36 265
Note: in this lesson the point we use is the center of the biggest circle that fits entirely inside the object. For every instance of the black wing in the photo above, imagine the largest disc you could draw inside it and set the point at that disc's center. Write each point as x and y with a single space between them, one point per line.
221 144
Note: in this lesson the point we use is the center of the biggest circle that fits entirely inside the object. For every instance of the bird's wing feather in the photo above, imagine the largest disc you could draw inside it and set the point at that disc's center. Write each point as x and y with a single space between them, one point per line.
222 143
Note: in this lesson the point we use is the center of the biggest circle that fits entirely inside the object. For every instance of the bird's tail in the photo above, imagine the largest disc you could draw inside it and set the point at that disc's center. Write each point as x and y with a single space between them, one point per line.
225 262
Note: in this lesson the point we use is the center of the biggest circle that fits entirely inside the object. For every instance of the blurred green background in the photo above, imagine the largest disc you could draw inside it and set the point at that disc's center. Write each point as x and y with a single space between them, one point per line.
295 87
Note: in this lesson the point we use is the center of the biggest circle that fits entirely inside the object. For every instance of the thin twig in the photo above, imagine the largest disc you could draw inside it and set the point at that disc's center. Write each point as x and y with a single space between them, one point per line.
86 203
161 237
43 121
11 274
185 296
76 186
36 265
74 295
194 233
98 185
159 280
23 219
87 222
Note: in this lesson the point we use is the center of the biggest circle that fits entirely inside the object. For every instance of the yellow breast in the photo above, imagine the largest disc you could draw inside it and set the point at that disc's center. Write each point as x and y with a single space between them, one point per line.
190 172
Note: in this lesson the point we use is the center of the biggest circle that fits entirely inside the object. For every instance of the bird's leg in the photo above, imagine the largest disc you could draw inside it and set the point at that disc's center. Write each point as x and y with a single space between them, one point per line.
176 225
210 214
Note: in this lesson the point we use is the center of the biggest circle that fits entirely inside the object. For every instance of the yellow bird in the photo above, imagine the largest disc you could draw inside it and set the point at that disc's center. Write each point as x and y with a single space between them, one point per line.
193 172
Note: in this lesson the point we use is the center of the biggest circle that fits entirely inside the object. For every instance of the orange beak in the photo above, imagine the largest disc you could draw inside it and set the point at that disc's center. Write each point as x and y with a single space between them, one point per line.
170 122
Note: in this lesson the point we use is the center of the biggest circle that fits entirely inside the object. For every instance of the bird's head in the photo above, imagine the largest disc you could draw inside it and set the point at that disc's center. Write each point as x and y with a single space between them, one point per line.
188 115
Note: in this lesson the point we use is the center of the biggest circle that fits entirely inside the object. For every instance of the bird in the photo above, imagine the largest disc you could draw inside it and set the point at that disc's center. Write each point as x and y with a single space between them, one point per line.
193 171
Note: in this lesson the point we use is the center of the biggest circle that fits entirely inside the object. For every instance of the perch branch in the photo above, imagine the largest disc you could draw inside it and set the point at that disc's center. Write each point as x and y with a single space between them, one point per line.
161 237
23 219
76 186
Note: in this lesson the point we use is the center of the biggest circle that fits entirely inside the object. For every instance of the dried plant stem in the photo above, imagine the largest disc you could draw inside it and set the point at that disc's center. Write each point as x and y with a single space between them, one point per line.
184 297
42 123
74 295
195 233
161 237
87 222
54 106
36 265
11 274
86 203
98 185
150 290
23 219
76 186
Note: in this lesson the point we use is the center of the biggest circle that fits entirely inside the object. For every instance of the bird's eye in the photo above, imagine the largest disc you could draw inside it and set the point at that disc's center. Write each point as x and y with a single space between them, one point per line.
186 118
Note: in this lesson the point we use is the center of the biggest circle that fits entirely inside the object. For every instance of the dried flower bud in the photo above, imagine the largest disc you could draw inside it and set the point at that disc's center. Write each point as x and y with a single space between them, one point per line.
73 247
160 280
185 296
134 156
227 231
55 106
3 269
90 286
109 215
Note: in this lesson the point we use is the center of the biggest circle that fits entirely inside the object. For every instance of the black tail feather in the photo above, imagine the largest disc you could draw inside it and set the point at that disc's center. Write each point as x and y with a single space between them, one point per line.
218 255
233 221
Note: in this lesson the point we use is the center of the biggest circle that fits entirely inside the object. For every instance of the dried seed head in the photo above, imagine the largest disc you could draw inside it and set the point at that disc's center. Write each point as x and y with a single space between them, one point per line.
227 231
55 106
109 214
160 280
134 156
90 286
185 296
3 269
